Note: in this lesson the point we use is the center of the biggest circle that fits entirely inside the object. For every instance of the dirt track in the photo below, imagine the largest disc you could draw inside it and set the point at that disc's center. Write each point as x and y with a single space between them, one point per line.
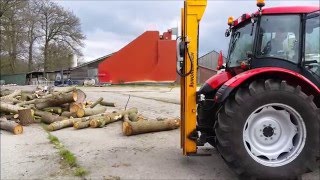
106 153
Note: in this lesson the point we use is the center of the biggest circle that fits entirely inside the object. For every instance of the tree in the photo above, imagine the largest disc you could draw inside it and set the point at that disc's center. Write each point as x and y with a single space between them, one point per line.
11 35
31 17
59 56
59 26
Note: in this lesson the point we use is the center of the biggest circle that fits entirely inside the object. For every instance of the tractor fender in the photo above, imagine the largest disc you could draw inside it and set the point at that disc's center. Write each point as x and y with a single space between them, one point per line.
265 72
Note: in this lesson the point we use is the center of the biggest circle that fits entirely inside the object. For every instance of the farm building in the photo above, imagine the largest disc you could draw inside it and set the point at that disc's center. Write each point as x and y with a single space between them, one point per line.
208 66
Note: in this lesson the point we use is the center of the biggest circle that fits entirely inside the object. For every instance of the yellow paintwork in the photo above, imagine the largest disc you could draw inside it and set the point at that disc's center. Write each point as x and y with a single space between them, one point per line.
191 15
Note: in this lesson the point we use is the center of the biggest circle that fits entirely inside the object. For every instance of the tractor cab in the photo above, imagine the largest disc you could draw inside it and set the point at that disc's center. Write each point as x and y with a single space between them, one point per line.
284 37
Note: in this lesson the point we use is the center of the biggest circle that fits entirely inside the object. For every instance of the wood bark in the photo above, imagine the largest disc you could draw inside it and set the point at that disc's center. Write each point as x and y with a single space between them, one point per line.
98 101
10 126
90 111
132 128
57 100
26 116
105 103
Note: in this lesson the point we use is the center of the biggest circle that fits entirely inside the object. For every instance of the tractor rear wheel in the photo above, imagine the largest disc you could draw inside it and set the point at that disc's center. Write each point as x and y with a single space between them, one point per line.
269 130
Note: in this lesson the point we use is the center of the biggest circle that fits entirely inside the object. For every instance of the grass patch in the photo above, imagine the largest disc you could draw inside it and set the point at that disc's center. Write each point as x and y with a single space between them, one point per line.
67 157
79 171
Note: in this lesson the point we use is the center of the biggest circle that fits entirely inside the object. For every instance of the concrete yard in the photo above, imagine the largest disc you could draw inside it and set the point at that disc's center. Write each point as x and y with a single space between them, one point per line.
106 153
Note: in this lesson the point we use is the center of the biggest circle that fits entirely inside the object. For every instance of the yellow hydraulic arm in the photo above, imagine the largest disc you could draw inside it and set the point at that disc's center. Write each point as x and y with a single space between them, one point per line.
190 18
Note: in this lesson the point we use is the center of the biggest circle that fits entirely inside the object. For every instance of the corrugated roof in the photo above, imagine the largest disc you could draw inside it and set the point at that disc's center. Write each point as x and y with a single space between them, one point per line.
99 59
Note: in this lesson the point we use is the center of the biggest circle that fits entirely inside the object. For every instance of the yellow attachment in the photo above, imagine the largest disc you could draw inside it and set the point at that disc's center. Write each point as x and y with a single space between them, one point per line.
260 3
230 21
191 15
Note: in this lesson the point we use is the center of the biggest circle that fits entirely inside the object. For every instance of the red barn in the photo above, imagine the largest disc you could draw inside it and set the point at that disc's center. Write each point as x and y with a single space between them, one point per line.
148 58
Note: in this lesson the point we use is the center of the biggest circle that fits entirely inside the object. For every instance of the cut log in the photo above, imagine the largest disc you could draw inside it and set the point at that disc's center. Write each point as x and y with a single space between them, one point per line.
104 103
27 96
69 114
34 101
81 96
9 108
67 123
98 101
132 128
62 124
57 100
26 116
81 112
58 92
75 106
48 117
81 124
11 97
5 92
10 126
56 110
110 118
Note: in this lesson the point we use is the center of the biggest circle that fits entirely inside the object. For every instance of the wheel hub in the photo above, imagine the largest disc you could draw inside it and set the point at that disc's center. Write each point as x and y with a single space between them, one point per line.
268 131
274 134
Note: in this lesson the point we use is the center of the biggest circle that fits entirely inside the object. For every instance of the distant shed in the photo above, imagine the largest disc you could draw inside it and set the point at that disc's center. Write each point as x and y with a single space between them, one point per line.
19 79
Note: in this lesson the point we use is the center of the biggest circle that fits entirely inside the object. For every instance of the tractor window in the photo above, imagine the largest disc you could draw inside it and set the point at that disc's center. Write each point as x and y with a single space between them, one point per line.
241 42
279 37
312 47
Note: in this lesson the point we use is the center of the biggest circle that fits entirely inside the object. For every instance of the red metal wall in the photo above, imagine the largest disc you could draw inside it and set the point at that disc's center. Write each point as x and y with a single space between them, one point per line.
146 59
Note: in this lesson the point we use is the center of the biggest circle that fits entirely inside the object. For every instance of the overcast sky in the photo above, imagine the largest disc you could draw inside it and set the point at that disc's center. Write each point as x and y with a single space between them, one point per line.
110 25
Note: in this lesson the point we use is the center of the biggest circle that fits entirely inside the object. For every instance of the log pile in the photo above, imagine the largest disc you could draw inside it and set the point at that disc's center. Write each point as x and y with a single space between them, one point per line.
69 108
20 108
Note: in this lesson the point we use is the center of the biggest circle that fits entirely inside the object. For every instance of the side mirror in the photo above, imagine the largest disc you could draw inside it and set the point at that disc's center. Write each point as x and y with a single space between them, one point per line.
220 61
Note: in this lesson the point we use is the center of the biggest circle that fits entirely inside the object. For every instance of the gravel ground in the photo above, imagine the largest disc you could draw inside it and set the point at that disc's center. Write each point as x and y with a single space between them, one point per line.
106 153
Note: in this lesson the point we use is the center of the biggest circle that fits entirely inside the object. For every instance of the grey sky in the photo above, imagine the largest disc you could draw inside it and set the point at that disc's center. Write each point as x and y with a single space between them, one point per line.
110 25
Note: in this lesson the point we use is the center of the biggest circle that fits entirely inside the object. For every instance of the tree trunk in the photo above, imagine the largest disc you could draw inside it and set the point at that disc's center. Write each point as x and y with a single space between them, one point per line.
98 101
10 126
139 127
104 103
81 112
57 100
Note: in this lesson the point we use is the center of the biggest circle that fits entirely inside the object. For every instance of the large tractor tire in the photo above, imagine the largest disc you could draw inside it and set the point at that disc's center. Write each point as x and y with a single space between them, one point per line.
269 130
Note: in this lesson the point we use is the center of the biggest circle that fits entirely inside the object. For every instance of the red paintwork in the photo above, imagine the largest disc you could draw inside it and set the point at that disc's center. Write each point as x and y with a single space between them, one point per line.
148 58
219 79
281 72
290 10
280 10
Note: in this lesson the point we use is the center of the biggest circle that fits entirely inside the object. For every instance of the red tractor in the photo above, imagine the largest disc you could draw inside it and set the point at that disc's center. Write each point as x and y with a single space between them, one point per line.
262 112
